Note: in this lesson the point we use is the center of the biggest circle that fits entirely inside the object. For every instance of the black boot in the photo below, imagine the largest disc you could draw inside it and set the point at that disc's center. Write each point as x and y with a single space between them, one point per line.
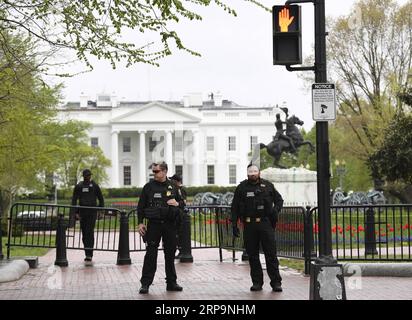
277 287
144 289
173 287
256 287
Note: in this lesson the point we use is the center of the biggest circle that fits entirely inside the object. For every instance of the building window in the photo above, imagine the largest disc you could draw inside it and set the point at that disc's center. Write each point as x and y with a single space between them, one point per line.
127 144
211 174
127 175
152 144
179 170
94 142
253 142
232 173
210 143
232 143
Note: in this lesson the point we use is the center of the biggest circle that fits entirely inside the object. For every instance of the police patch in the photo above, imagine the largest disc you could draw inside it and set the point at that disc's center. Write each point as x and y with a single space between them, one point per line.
263 185
250 194
157 195
85 190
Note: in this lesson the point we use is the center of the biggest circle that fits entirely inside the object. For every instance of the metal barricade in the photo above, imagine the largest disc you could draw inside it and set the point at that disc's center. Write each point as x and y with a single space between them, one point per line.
57 226
369 232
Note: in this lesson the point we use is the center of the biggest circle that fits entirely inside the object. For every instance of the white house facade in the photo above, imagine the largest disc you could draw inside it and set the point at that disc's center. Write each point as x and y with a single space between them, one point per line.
208 142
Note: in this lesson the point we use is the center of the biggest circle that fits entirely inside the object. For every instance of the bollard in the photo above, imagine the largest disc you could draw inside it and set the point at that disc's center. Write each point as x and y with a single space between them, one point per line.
370 236
61 252
123 254
308 242
1 243
185 254
1 235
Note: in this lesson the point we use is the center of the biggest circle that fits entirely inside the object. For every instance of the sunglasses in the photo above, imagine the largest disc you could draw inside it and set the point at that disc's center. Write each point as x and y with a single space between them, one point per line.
156 171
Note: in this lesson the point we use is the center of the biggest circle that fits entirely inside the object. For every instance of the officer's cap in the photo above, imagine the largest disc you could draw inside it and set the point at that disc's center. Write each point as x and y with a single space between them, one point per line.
176 177
86 173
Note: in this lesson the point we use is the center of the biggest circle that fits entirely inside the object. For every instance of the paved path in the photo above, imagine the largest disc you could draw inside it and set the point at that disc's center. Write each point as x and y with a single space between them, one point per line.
205 279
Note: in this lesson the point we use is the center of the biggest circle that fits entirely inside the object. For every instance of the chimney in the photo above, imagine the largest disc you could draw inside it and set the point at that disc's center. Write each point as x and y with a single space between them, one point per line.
186 101
218 99
192 100
83 100
113 98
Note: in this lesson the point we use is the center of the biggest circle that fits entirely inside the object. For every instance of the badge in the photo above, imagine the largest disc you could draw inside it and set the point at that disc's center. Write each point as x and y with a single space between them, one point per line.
157 195
263 185
250 194
168 194
170 187
85 190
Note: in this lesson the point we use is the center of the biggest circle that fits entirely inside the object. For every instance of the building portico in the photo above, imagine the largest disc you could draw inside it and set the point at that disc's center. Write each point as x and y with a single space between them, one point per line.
207 144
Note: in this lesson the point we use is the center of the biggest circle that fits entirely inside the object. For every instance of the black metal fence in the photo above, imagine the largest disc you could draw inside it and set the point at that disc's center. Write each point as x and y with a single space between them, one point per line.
369 232
364 232
36 225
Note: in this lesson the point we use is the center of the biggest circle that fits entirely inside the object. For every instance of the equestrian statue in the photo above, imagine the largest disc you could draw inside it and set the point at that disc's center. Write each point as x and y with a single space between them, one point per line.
288 141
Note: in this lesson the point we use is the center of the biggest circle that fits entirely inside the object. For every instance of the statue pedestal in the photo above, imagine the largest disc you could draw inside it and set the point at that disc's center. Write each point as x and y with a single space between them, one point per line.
298 186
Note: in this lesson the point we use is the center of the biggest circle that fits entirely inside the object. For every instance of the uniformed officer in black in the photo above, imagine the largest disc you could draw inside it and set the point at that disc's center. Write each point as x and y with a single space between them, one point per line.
162 204
177 178
87 192
256 203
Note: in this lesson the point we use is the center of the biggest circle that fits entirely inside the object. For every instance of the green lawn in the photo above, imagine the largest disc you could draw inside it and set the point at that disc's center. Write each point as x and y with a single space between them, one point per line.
26 251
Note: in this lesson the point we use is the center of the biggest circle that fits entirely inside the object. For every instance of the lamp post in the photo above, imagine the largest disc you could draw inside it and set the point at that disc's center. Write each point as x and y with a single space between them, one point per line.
340 171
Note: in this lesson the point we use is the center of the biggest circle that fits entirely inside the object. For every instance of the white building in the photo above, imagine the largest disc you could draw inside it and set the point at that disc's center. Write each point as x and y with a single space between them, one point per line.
208 142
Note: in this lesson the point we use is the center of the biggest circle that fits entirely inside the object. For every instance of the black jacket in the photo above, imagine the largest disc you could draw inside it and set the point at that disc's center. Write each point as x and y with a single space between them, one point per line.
87 194
249 199
156 194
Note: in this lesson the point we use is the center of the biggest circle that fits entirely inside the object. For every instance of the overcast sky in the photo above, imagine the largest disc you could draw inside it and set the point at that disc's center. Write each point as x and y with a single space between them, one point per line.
236 60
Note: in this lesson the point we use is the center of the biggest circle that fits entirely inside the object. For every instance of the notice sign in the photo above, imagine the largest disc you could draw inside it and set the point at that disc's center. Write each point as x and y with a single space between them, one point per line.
323 101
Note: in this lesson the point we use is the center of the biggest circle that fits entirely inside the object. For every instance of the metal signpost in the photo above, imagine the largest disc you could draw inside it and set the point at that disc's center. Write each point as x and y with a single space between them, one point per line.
326 281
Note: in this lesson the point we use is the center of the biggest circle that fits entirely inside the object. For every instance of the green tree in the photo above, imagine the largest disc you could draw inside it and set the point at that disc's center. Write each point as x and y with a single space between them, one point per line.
68 146
96 28
393 159
33 143
26 102
369 59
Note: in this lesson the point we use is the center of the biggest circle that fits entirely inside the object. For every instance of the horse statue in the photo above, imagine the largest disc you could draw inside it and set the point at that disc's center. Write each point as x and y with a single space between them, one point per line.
276 147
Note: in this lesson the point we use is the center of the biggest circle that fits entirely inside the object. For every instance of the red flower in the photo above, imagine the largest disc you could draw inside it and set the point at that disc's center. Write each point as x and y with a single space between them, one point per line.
361 229
391 229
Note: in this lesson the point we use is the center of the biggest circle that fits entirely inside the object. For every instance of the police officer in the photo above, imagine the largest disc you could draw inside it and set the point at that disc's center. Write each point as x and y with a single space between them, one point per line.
87 192
178 180
161 203
256 203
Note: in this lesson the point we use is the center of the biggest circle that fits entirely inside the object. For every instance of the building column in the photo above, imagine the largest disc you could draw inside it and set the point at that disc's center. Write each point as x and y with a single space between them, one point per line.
169 151
115 159
195 159
142 158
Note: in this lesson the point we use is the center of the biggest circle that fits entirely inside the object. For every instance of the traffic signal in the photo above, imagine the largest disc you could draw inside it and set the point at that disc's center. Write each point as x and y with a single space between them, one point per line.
287 36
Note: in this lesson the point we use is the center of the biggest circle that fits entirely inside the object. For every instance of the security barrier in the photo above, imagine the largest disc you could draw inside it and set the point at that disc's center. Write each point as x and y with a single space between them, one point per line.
364 232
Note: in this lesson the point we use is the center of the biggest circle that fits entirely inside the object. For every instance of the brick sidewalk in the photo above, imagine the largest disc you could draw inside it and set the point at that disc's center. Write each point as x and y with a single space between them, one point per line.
205 279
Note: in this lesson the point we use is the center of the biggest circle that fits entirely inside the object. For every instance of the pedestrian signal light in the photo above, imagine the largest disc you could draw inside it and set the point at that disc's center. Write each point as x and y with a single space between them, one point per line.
287 37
